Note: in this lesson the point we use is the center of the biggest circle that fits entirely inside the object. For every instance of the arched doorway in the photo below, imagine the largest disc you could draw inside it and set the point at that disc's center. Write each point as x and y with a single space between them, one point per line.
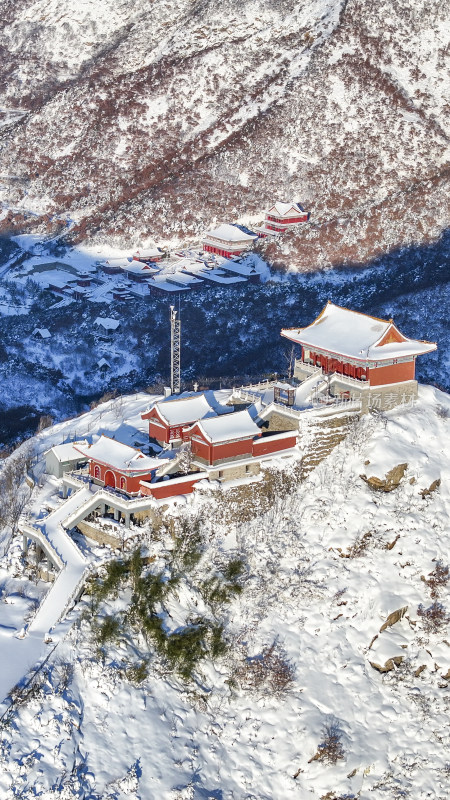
110 479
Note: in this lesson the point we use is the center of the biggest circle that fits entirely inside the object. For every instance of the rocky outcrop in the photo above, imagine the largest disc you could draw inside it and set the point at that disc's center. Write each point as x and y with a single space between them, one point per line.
389 482
389 665
396 616
432 488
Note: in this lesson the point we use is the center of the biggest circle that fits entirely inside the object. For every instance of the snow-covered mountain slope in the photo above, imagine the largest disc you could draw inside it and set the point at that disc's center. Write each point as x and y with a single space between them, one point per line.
324 568
146 123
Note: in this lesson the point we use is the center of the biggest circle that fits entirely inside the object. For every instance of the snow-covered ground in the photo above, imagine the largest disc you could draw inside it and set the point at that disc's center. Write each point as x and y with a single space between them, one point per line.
324 567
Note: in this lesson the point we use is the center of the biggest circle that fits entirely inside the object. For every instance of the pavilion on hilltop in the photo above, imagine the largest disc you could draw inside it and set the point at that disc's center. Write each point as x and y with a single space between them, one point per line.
362 356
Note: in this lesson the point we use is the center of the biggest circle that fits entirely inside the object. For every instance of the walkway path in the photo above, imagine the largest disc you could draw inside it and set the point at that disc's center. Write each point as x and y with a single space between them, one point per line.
64 588
20 654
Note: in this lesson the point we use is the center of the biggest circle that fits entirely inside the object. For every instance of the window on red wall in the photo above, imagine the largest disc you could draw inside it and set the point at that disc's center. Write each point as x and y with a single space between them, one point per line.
123 483
96 471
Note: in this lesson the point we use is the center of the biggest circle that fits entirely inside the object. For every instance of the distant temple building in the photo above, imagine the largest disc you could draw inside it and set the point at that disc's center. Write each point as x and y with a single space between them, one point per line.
227 240
280 217
363 357
151 255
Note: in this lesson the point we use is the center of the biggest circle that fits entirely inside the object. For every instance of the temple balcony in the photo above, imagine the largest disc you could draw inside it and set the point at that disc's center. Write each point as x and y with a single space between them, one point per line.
303 369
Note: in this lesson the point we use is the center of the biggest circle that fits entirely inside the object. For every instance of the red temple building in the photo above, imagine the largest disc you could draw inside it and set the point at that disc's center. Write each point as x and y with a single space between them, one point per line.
223 438
119 466
169 420
233 439
280 217
363 356
227 240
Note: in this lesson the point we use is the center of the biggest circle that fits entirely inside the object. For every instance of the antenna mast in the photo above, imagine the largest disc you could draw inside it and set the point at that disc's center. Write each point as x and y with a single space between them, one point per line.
175 348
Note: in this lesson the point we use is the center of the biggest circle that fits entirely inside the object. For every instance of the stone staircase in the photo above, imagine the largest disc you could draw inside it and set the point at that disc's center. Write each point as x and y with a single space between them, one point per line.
320 435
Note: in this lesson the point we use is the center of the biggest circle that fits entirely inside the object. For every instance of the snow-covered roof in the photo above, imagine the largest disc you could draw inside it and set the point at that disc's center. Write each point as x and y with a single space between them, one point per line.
285 209
246 270
68 451
238 425
107 323
229 233
355 335
140 268
120 456
58 278
185 410
160 282
117 262
184 263
183 278
153 252
42 332
220 276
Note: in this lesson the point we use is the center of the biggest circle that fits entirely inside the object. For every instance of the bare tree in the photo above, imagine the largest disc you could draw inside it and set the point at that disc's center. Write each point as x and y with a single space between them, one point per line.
14 491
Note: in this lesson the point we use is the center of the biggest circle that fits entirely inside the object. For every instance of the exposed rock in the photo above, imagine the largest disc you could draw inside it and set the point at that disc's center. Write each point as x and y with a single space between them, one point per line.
432 488
388 483
419 670
396 616
389 665
391 545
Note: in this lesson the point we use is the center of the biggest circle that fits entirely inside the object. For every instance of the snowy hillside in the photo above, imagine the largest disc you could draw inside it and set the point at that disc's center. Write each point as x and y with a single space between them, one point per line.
298 579
142 124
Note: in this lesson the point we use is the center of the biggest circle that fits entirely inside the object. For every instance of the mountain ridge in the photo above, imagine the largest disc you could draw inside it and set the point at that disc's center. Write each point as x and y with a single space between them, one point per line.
221 111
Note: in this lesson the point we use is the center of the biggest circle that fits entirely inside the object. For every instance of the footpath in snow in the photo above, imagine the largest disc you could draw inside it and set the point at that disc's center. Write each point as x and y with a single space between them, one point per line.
20 654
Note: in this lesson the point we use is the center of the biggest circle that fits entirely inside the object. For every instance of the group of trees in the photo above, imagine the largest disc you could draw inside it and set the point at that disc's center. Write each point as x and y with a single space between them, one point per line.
14 490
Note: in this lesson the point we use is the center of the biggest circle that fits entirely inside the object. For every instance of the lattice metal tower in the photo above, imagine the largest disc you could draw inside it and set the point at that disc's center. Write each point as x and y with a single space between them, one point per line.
175 348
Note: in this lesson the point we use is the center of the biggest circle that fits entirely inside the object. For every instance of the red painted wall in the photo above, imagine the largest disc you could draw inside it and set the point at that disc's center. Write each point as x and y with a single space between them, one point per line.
270 444
288 220
200 449
132 482
242 447
158 432
170 488
394 373
221 251
164 433
214 452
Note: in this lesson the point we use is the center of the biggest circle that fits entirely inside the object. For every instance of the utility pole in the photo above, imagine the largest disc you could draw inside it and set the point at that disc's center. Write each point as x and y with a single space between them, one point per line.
175 347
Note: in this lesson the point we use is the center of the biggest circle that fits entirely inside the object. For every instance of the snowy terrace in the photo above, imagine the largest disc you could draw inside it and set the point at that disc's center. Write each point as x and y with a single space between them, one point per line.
309 394
220 276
